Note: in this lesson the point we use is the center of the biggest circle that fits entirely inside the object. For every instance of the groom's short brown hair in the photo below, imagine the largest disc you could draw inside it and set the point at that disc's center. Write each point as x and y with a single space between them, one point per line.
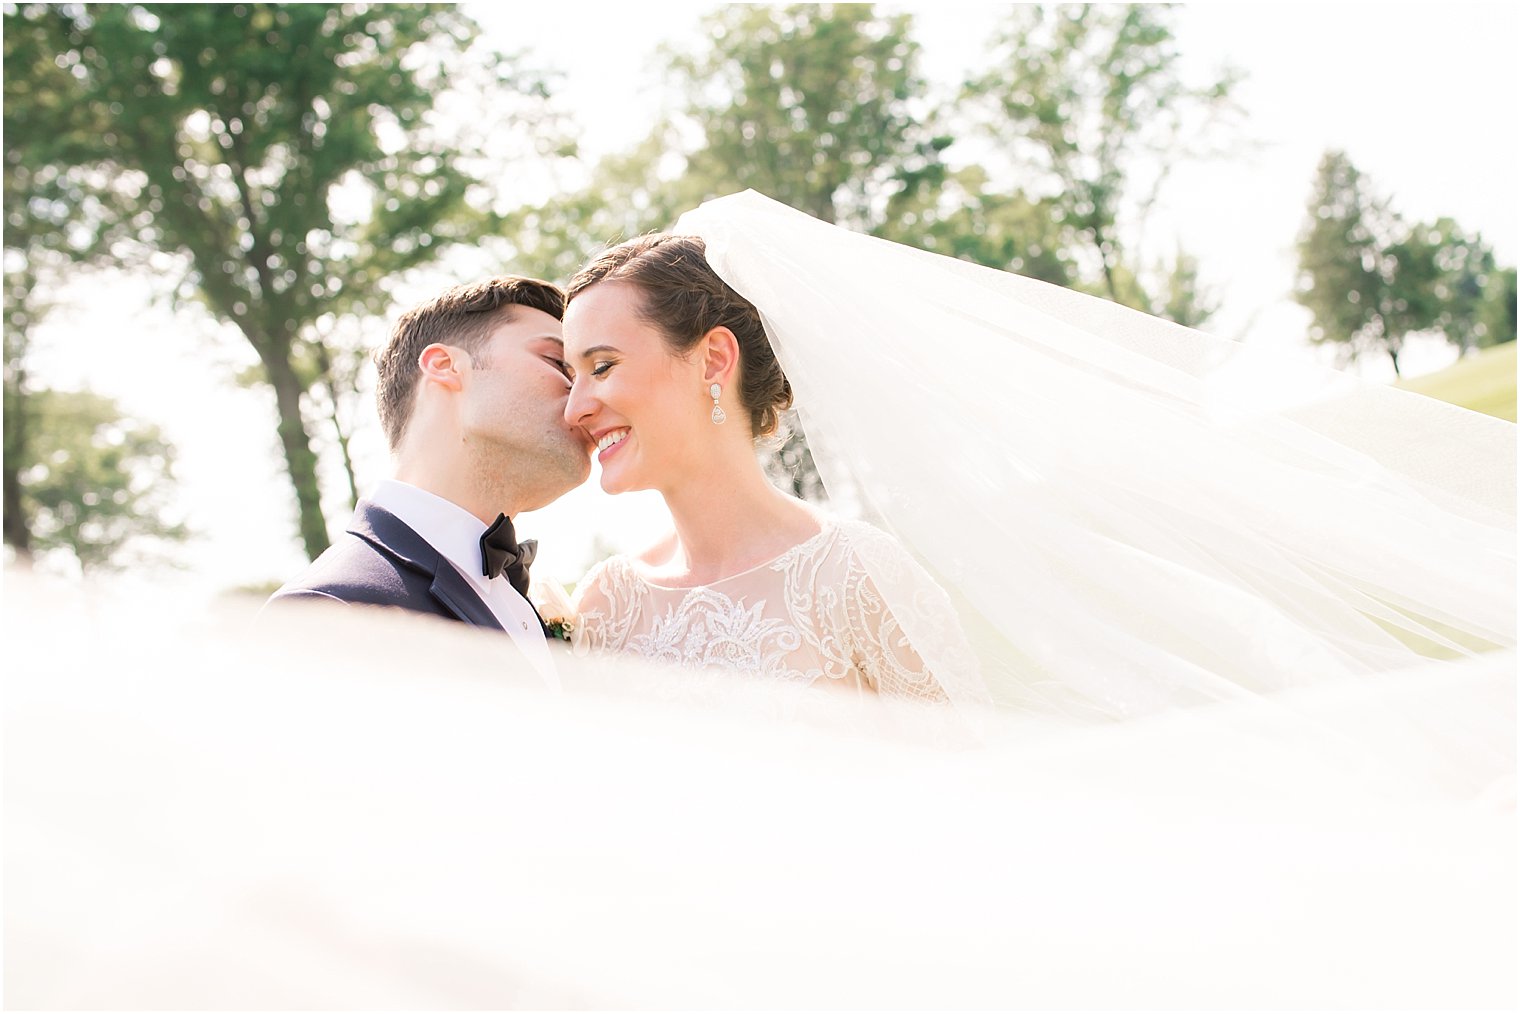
464 316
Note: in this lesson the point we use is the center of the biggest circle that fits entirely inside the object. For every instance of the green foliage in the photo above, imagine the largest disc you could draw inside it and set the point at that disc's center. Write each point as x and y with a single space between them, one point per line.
1088 104
1446 288
959 214
281 159
820 106
1184 298
627 196
92 483
1497 317
1341 274
21 309
1370 279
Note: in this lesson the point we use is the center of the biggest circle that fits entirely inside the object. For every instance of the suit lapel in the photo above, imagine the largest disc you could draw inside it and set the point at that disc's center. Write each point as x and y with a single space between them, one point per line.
451 589
456 593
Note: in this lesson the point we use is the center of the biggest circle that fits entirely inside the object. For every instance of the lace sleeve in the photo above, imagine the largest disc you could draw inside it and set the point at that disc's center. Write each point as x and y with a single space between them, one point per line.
607 605
897 617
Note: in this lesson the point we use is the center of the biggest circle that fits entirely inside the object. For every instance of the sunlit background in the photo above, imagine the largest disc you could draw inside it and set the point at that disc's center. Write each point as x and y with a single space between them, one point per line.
608 120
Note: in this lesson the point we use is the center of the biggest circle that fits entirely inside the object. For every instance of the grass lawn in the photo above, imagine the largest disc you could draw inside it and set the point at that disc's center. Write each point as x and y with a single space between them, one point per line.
1484 382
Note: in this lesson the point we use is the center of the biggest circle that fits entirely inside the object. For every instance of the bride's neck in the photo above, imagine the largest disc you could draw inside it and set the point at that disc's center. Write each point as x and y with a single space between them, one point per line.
730 519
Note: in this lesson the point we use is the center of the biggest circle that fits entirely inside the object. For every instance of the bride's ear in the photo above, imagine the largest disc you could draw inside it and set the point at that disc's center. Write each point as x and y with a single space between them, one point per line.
442 364
720 356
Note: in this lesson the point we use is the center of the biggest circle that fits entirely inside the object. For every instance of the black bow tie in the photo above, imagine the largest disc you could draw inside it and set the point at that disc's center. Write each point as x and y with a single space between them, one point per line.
501 554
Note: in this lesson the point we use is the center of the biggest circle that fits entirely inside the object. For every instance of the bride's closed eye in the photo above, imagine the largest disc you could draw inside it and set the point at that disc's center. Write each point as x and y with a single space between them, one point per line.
601 367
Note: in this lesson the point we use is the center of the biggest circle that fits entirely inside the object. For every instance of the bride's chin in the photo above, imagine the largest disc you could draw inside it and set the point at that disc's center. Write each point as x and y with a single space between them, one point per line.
618 481
623 474
614 483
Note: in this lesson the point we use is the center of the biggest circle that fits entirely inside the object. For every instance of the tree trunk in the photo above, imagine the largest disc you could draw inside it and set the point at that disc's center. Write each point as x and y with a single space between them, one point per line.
18 532
1105 258
1108 278
348 458
17 535
324 362
300 460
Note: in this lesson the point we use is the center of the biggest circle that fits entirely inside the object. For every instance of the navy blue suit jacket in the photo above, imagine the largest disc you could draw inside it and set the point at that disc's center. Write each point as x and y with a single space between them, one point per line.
382 562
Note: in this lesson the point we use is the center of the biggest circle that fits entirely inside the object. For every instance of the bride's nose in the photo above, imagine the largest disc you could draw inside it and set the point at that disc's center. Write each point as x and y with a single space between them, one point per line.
580 406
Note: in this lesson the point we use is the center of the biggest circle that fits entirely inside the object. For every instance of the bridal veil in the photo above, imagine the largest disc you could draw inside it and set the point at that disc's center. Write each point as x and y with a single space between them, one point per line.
1129 514
356 808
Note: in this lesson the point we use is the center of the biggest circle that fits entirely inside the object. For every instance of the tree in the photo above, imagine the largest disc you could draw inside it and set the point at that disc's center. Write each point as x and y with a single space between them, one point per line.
1461 273
49 468
19 312
1345 271
820 106
79 476
628 194
1184 298
1497 318
1370 279
957 213
285 160
92 482
1087 101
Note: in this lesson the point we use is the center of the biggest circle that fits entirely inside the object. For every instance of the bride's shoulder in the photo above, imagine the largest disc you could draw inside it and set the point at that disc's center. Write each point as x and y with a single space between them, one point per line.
869 550
858 536
854 544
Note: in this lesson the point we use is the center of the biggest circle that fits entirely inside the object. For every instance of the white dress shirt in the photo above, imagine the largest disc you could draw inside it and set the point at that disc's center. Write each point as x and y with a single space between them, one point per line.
455 533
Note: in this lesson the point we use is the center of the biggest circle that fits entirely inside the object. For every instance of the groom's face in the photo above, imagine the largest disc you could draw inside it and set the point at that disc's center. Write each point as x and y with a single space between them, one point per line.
513 404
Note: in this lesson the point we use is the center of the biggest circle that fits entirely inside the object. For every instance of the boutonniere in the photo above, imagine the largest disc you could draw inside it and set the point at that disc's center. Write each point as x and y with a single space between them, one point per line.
554 609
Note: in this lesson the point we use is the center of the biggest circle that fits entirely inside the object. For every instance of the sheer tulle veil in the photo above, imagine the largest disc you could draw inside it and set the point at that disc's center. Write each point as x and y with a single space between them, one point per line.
357 808
1129 514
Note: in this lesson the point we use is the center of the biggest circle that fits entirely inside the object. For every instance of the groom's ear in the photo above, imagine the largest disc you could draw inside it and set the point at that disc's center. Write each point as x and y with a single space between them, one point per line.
720 355
443 364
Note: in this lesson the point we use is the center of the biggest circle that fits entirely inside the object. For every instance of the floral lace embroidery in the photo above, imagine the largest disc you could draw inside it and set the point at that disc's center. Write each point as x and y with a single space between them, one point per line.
815 612
711 629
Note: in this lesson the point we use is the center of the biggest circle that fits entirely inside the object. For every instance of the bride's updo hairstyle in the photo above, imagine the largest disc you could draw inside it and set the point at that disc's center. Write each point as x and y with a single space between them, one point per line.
684 299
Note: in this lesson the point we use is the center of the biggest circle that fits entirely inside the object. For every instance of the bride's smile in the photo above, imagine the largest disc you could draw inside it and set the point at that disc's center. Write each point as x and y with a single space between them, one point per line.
612 438
646 405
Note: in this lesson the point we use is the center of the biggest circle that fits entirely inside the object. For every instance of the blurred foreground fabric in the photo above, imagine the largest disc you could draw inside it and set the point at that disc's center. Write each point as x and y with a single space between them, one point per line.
351 809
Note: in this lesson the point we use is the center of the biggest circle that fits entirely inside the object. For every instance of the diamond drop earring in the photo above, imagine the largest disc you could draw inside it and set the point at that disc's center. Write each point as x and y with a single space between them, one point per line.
718 414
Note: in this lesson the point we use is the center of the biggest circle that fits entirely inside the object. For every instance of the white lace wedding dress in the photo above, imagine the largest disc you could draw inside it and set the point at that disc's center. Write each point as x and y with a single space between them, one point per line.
814 615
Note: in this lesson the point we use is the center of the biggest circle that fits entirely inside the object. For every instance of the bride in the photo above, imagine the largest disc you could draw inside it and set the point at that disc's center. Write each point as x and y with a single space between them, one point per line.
1127 514
675 380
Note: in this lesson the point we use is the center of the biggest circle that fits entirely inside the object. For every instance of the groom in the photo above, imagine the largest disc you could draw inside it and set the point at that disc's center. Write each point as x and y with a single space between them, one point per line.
471 392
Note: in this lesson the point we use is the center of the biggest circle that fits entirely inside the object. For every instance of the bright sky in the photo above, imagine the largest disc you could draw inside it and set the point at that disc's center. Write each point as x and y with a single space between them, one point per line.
1422 97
